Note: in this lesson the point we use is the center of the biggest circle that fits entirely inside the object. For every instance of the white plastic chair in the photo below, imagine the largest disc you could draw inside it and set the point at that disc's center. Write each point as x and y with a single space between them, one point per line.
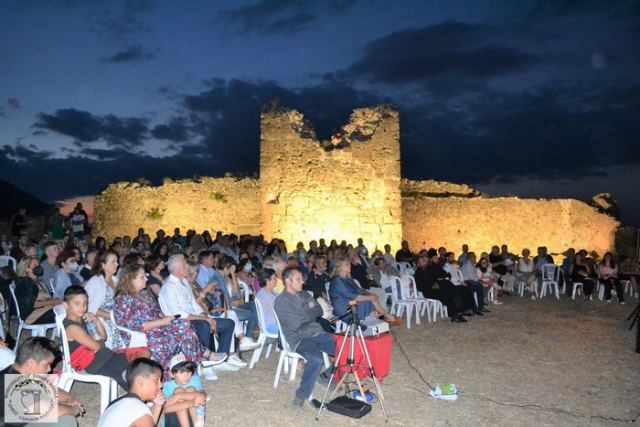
263 337
108 386
550 276
576 291
422 304
289 357
399 302
405 268
6 260
247 290
36 330
138 339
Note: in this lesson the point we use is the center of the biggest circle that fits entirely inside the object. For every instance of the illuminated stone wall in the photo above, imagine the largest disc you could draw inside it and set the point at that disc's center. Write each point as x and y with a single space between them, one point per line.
482 222
214 204
343 188
349 187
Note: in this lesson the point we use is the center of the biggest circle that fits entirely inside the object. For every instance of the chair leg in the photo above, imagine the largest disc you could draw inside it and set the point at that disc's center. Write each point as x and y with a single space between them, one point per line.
294 368
257 351
278 369
408 317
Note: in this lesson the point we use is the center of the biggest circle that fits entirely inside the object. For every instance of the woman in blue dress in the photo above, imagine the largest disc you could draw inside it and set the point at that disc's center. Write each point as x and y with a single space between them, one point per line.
343 289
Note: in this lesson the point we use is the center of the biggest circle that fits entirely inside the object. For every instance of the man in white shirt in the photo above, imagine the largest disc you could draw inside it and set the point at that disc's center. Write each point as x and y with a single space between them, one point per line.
388 256
464 290
176 298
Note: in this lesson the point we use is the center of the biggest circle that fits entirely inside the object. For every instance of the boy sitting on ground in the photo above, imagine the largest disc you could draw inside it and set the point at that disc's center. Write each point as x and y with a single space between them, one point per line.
144 377
186 386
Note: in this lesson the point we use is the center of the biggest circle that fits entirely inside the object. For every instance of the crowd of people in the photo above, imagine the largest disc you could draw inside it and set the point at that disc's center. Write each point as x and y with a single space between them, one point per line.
194 297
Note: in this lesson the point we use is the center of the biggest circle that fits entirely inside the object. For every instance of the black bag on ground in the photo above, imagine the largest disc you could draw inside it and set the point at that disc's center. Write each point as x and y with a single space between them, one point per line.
345 405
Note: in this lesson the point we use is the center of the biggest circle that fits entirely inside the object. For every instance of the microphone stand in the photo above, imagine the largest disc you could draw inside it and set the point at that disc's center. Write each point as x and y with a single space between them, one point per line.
354 331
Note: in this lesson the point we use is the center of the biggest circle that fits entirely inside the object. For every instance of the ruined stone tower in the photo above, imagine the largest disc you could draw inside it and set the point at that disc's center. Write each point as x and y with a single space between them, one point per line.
344 188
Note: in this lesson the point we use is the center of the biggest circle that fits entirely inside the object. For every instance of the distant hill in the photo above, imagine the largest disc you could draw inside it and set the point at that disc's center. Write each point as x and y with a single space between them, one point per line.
13 198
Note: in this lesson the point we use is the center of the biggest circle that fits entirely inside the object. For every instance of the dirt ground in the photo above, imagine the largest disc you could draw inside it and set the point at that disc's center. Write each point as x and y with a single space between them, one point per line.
542 363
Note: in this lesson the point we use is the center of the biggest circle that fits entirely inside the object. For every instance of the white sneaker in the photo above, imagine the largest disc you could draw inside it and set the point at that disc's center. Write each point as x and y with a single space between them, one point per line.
220 358
235 361
225 367
248 344
533 297
208 374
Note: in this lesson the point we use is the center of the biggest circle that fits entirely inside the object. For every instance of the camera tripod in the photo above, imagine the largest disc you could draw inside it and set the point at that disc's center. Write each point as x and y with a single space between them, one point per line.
635 318
353 334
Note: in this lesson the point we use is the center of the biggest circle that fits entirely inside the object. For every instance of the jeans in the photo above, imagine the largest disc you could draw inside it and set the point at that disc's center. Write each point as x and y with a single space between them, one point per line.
203 330
477 289
225 334
247 311
311 349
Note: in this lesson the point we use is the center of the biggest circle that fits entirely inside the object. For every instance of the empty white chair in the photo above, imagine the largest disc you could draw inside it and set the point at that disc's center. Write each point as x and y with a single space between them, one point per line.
289 357
263 337
399 302
36 330
138 339
108 386
550 275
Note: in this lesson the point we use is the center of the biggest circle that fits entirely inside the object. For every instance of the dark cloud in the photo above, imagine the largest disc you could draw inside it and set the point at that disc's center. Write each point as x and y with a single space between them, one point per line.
85 127
13 103
282 16
132 54
563 8
176 130
456 54
2 112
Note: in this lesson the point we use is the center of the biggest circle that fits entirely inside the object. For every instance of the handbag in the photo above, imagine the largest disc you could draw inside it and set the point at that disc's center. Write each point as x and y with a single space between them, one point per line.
82 357
349 407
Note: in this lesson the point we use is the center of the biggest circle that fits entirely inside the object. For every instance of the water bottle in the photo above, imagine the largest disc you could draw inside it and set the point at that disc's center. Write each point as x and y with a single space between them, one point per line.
199 421
92 328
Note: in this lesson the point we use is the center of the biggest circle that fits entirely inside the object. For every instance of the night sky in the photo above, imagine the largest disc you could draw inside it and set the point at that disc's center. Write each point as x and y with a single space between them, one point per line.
536 99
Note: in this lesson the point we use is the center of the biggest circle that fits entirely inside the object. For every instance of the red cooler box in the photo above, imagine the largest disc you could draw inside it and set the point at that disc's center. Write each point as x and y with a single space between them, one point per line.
379 349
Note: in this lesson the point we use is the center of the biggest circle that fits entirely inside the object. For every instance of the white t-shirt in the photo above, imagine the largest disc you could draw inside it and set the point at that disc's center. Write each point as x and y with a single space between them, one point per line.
124 412
77 222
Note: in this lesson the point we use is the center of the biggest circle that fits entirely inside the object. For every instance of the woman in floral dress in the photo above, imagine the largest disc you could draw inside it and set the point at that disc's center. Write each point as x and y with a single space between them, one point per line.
136 309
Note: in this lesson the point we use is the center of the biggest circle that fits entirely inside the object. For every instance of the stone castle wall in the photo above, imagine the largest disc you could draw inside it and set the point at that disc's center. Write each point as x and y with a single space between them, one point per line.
349 187
344 188
482 222
215 204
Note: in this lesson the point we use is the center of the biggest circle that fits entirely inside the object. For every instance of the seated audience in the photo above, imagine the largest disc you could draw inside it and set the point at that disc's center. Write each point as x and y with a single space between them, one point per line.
297 312
525 268
145 378
81 344
466 291
500 266
154 265
343 289
186 385
67 273
34 302
433 282
470 277
608 272
317 277
36 356
267 296
488 278
101 290
581 272
49 267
